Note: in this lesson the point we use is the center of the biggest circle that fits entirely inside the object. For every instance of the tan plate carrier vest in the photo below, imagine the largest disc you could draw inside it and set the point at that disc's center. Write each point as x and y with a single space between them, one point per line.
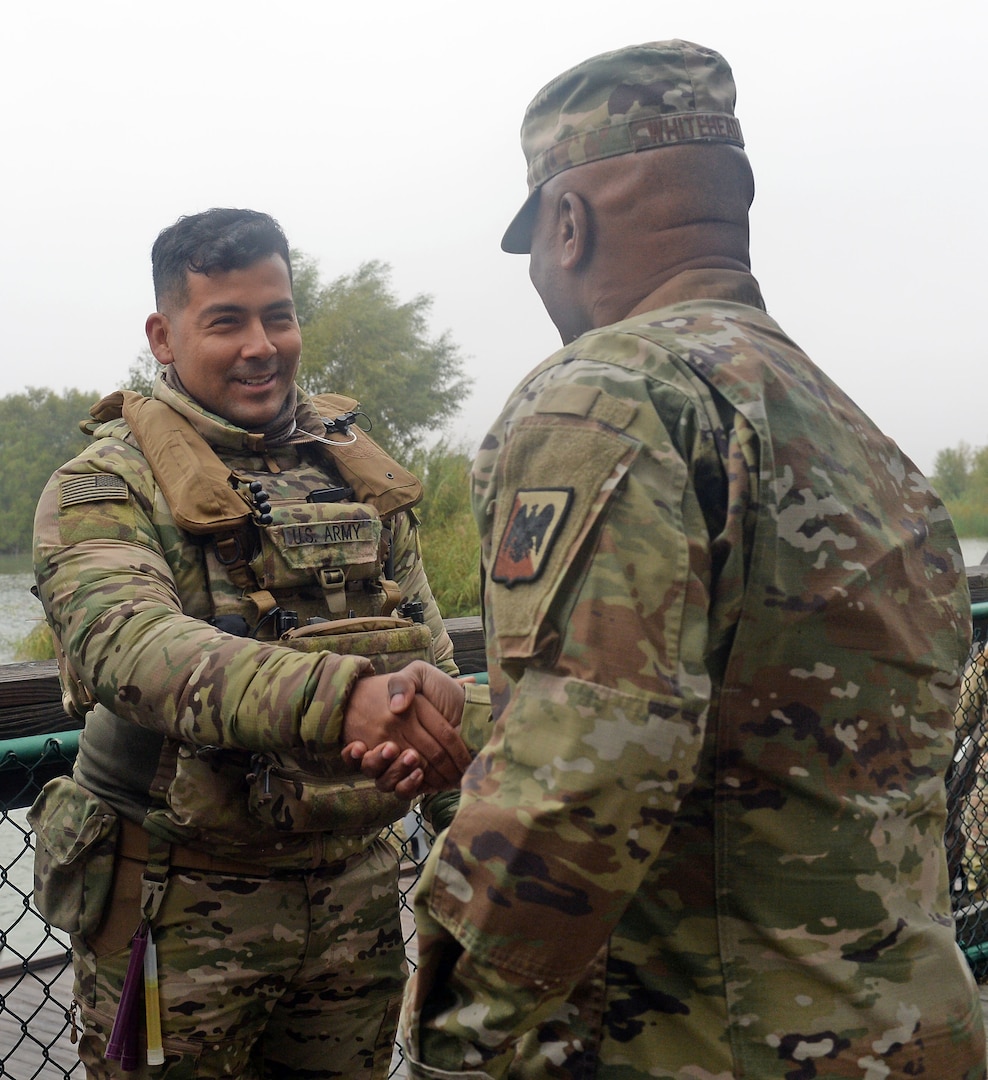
231 798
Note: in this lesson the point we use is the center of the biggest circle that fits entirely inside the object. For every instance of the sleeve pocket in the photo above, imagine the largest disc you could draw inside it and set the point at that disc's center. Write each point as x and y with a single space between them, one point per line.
557 477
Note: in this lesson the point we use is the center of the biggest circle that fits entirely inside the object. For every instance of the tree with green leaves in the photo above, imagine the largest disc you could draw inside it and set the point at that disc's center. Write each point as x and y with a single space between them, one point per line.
359 339
142 373
950 471
960 475
449 537
39 431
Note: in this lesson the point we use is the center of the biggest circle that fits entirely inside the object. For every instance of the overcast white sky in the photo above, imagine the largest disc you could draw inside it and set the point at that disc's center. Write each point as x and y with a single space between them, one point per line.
389 130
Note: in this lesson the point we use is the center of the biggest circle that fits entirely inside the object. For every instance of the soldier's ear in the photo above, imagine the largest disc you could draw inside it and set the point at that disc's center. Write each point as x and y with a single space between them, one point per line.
158 330
574 226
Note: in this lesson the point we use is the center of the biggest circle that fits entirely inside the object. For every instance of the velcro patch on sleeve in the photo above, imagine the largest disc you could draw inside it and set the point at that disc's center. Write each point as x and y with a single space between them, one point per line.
539 525
536 519
577 399
97 487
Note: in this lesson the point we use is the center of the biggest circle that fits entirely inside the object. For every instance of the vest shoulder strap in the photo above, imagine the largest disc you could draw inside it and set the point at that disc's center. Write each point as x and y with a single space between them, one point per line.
197 485
374 475
194 481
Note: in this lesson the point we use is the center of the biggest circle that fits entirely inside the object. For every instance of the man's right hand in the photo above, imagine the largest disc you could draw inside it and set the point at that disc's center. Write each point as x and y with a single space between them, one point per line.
401 729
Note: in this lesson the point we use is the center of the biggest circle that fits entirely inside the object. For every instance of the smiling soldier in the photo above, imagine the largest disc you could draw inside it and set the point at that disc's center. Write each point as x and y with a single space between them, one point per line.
222 570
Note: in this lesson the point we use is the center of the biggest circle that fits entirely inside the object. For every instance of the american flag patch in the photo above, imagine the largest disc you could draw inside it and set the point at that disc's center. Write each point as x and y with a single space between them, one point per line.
95 488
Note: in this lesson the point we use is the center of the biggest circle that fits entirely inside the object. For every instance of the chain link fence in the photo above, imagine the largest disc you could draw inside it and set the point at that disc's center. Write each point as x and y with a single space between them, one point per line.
36 1023
966 839
35 958
36 1016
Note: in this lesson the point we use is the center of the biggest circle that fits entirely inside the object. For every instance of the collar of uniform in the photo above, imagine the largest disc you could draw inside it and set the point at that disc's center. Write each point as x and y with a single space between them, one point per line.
734 286
307 417
214 429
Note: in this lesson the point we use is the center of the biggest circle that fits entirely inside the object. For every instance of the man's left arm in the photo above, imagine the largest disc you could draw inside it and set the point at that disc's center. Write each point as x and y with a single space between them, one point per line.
566 808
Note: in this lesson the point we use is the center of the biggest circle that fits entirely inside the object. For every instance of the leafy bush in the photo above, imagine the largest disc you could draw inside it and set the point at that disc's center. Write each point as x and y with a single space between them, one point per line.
450 545
960 475
970 516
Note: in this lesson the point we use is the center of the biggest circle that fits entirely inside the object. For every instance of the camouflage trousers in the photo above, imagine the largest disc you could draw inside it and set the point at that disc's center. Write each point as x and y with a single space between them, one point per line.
296 975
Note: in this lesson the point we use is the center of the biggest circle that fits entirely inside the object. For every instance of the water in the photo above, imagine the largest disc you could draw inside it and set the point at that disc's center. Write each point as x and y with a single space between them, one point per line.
21 613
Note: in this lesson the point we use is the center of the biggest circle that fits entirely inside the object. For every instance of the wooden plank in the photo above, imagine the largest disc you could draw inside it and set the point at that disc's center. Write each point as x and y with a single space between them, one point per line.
28 720
467 635
977 581
31 700
29 683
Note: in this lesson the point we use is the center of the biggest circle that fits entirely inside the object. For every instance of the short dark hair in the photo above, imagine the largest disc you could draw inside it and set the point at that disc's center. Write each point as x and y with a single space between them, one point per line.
214 241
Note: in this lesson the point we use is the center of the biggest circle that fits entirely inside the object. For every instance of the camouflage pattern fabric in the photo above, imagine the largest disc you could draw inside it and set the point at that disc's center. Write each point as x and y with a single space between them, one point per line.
726 621
181 708
293 976
75 842
669 92
621 102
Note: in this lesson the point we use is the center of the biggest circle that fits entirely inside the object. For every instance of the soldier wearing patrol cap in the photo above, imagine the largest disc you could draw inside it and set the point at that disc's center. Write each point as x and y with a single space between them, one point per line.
726 619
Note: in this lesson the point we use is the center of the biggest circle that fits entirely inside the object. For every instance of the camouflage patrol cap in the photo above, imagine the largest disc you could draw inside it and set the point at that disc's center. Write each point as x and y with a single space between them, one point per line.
637 98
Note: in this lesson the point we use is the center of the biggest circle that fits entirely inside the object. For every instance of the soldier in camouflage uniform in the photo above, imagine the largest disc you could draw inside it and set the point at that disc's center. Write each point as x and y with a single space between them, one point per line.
726 619
211 808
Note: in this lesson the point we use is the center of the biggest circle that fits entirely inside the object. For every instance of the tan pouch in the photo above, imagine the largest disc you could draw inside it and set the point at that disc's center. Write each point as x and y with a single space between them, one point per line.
388 641
306 540
289 799
285 795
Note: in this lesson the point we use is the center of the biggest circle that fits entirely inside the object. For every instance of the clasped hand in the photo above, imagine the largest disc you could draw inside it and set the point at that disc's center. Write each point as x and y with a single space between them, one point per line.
401 729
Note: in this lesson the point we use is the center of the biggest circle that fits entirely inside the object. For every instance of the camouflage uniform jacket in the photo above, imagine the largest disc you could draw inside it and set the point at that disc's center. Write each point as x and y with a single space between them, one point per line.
128 594
726 620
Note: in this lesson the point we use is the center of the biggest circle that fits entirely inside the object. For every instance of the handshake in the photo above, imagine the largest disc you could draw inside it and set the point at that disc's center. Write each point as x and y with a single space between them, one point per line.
402 730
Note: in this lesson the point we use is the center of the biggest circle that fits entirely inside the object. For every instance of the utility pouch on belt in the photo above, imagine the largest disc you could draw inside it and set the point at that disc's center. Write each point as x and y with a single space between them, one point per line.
288 797
76 836
388 641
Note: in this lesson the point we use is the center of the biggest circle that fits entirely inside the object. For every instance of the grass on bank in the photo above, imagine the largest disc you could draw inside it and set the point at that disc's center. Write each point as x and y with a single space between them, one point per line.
36 645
